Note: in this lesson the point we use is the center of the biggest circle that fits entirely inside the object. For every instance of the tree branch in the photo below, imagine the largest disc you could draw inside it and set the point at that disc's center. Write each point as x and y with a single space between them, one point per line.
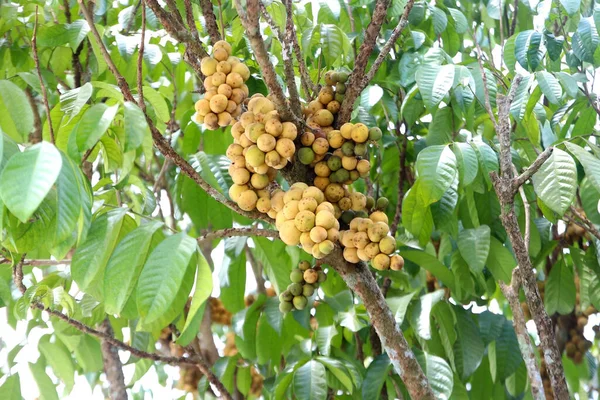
486 91
402 23
307 84
360 63
211 20
360 280
140 78
250 21
586 223
257 270
504 187
113 368
533 168
39 74
159 141
233 232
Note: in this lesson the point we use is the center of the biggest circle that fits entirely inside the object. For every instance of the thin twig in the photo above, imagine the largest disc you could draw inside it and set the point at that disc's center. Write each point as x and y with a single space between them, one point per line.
587 224
140 60
257 270
39 73
307 83
486 91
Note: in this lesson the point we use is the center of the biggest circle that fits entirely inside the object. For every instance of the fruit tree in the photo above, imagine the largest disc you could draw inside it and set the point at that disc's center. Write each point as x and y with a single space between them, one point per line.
299 199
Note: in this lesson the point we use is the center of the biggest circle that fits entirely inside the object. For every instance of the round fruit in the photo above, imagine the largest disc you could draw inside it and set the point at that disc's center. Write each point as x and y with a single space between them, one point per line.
289 234
334 163
350 255
325 219
308 290
308 204
242 70
208 66
333 106
307 138
286 306
387 245
304 221
290 209
300 302
263 204
382 203
342 77
360 133
211 121
347 216
296 276
320 146
334 192
363 167
371 250
224 119
306 155
254 157
266 142
303 265
378 231
348 149
360 240
311 275
322 277
315 193
318 234
218 103
396 262
326 247
240 176
286 296
381 262
360 149
285 147
295 289
378 216
375 133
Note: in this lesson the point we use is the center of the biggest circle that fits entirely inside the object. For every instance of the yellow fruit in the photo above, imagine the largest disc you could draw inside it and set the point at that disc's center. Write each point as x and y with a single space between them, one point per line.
239 162
307 139
333 107
346 130
379 216
316 252
307 204
245 142
208 85
364 224
326 247
247 200
326 206
235 80
320 146
224 119
279 220
208 66
335 139
289 234
266 142
299 185
381 262
285 147
378 231
359 201
387 245
225 90
321 169
220 54
231 107
233 151
224 67
321 182
240 176
218 103
272 159
210 93
236 190
318 234
347 238
324 118
363 167
218 79
254 131
360 133
326 95
333 234
274 127
233 60
202 106
222 44
360 239
349 163
277 200
305 221
350 255
259 181
362 255
242 70
293 194
271 213
306 241
238 95
263 204
315 193
211 121
334 192
260 105
396 262
254 157
290 210
325 219
197 118
246 119
289 131
371 250
263 193
314 106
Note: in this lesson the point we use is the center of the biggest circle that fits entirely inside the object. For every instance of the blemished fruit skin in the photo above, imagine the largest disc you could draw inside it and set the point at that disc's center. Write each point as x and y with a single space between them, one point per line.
296 276
311 276
286 306
300 302
295 289
303 265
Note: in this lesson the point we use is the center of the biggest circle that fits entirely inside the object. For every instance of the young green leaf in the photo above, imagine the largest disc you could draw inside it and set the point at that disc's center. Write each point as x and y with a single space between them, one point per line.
556 181
474 246
560 293
17 116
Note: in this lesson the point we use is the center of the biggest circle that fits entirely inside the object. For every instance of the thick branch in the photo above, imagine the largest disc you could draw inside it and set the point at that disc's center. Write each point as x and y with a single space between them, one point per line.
288 63
39 74
159 141
360 280
250 21
402 23
211 20
360 63
231 232
113 368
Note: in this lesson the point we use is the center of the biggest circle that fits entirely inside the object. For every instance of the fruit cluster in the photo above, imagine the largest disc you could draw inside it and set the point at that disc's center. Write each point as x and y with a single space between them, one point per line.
218 312
189 377
305 279
262 144
257 382
305 217
368 239
225 88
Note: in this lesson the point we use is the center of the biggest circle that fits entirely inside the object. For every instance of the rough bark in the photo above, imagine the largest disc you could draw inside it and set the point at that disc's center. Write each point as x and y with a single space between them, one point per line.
113 368
505 187
210 19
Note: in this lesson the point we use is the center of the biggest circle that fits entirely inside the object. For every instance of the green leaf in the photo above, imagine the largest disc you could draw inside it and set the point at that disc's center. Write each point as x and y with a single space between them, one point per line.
162 275
399 306
69 199
467 163
91 257
72 101
439 374
560 290
474 246
462 274
157 101
310 382
204 287
125 265
11 388
571 6
275 260
45 385
420 316
324 336
556 181
417 217
93 125
440 129
434 82
431 264
136 126
528 51
376 375
77 31
500 261
591 164
437 169
585 40
504 360
17 116
468 348
28 177
550 86
337 368
59 358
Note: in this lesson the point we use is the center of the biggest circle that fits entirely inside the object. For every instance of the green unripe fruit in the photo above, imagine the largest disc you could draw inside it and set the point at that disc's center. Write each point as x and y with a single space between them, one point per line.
322 277
339 97
342 175
303 265
334 163
295 289
375 133
333 178
306 155
330 78
286 306
362 214
370 202
354 175
296 276
348 216
382 203
285 296
360 149
340 88
342 77
308 290
300 302
348 149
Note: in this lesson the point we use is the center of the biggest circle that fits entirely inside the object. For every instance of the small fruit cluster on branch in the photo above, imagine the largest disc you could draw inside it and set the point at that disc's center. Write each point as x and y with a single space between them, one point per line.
305 279
218 312
225 88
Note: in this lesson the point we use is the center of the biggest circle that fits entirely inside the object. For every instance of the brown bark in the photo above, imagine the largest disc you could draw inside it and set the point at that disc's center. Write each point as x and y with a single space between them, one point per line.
113 368
211 20
36 135
39 74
